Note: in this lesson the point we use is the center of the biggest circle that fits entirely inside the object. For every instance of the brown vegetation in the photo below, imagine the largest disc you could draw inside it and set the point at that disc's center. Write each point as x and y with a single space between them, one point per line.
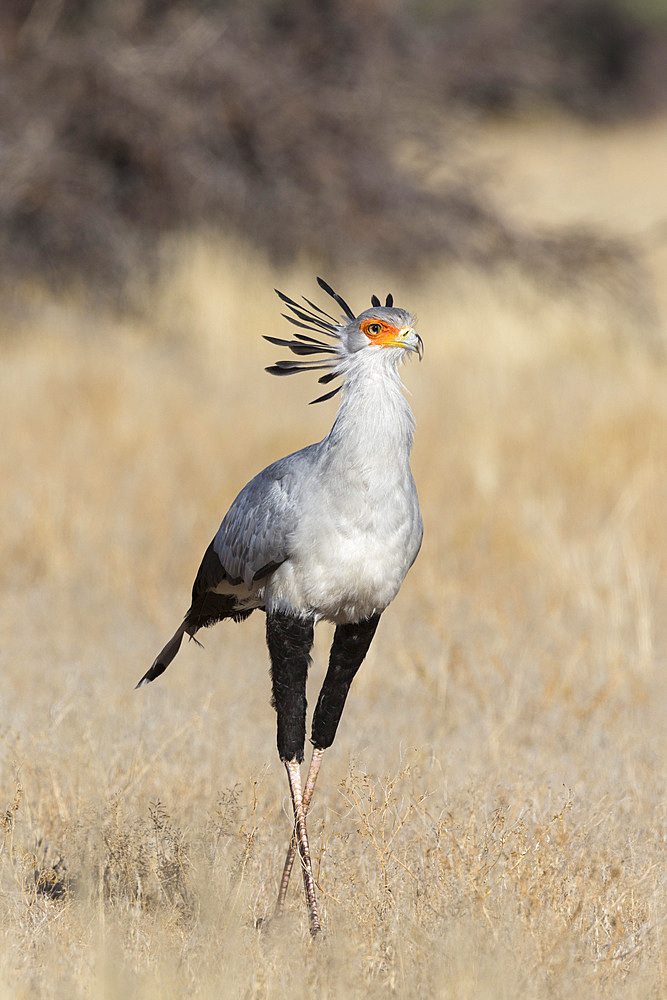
491 820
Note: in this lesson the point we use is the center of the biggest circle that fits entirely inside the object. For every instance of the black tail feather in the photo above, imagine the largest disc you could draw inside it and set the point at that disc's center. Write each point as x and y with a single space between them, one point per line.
164 658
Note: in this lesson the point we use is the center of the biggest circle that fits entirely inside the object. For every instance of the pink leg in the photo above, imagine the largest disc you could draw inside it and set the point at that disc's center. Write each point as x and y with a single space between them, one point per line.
301 802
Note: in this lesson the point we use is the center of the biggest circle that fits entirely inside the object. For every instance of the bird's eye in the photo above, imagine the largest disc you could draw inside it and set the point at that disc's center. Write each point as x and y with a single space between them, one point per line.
373 329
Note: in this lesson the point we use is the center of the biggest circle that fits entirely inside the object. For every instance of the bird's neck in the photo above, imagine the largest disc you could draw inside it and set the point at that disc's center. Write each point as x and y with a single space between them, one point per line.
374 423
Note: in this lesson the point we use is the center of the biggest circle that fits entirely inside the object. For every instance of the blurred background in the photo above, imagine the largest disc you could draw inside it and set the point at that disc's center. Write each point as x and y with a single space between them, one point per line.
334 131
490 819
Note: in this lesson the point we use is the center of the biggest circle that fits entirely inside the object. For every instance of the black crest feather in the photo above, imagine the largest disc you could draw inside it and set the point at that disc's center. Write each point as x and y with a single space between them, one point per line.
339 299
327 395
310 317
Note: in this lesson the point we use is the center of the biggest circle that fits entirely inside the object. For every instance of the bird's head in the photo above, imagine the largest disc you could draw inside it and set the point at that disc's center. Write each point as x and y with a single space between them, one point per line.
380 328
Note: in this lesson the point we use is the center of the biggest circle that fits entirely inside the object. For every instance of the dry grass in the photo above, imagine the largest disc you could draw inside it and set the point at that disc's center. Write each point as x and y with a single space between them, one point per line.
490 821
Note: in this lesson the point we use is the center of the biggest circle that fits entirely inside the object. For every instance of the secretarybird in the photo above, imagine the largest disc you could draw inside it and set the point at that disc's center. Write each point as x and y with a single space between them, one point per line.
327 533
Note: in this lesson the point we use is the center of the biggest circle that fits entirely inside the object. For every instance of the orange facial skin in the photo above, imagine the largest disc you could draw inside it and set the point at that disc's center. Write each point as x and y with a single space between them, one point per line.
383 334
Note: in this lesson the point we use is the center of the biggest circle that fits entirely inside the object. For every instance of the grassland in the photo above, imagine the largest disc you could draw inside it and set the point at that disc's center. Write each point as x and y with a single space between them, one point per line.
490 822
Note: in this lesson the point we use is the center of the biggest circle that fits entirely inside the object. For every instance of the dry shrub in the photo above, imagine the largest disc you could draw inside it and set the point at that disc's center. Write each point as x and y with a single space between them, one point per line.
146 862
284 122
592 58
517 890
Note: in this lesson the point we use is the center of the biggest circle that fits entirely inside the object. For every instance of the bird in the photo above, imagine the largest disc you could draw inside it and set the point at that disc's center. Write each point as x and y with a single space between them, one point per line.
327 533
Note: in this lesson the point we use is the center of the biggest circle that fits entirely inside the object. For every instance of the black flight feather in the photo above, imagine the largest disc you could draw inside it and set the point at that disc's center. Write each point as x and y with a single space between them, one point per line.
339 299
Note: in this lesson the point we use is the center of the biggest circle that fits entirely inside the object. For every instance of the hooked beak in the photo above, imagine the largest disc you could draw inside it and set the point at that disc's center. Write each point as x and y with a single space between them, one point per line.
412 342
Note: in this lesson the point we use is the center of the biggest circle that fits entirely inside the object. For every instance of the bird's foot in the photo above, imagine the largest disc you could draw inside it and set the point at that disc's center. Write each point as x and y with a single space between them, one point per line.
301 837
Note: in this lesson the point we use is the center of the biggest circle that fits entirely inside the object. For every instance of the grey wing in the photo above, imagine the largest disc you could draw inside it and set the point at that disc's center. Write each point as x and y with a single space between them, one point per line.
253 540
419 524
255 532
255 535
